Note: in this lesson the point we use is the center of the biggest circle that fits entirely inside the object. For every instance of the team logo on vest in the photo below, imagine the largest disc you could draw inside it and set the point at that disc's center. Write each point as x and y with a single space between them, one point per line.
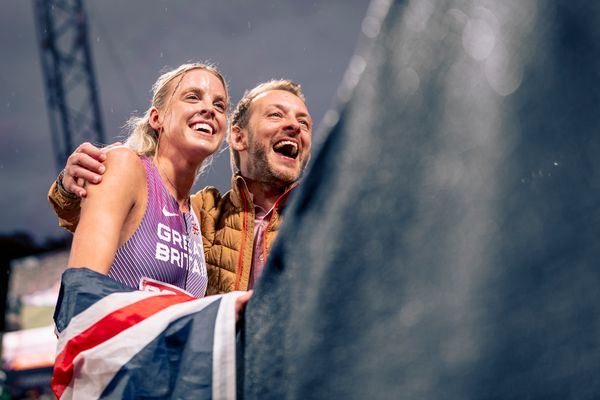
172 247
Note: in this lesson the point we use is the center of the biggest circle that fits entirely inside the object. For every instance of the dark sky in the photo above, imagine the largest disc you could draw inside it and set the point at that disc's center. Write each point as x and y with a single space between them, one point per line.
251 41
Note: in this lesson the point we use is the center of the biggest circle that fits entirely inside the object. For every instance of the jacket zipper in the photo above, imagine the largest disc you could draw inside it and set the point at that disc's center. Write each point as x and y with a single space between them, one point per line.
271 219
244 228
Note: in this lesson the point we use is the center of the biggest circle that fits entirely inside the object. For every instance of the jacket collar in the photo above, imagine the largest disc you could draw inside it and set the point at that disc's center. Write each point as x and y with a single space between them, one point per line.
239 191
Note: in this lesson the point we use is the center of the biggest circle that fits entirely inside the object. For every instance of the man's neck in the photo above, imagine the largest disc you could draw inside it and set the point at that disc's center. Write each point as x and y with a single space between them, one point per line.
264 194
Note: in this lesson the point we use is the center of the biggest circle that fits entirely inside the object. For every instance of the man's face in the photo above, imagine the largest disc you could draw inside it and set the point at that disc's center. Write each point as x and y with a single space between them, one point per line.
278 139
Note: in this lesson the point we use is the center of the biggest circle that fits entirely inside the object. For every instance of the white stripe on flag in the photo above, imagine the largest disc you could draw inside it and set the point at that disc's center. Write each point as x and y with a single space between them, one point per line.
96 367
97 311
224 374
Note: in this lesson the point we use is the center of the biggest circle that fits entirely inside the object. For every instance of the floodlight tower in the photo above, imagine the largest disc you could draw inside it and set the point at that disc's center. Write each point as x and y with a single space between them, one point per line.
72 95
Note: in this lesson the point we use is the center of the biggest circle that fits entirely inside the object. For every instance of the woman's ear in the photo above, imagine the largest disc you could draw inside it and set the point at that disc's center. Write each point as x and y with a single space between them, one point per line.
154 119
238 138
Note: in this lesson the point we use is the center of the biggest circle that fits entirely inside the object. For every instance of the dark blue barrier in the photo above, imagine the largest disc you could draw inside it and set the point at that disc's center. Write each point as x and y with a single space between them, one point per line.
444 244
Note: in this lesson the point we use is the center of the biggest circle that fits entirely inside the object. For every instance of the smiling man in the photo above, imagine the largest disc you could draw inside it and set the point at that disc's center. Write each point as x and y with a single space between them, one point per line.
270 141
271 135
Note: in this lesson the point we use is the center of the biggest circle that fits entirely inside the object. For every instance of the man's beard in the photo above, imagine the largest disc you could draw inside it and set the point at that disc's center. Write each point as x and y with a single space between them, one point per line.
264 172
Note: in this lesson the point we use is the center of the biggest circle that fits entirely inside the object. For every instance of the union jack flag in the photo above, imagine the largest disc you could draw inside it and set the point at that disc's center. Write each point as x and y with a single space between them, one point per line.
116 342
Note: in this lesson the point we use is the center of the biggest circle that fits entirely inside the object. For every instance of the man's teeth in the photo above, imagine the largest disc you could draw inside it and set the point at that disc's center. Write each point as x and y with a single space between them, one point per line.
201 126
287 148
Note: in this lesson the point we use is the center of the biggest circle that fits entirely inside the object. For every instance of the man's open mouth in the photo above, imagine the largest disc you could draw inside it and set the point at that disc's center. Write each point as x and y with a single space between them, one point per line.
286 148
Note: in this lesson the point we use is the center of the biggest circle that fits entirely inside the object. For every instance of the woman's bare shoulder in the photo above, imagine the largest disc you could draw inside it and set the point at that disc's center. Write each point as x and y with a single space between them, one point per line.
124 170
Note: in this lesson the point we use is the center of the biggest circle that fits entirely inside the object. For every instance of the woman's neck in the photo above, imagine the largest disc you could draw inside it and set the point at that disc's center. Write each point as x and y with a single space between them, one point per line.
178 175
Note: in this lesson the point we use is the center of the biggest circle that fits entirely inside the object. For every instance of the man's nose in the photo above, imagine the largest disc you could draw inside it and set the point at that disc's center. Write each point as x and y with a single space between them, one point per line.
292 126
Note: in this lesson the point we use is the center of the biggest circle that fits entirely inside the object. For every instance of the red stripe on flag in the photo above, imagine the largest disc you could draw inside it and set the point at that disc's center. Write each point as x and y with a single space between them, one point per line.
104 329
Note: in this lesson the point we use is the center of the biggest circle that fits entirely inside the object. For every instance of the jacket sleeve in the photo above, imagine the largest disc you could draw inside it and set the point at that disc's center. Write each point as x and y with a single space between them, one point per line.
206 202
66 208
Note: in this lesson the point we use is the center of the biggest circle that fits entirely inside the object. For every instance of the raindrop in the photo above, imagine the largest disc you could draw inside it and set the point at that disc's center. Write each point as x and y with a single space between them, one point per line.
357 65
371 26
457 18
331 118
408 81
379 8
411 313
503 72
419 14
351 77
478 39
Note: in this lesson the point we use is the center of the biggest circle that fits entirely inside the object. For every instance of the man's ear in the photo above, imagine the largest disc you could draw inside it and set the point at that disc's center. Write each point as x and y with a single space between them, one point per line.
154 119
238 138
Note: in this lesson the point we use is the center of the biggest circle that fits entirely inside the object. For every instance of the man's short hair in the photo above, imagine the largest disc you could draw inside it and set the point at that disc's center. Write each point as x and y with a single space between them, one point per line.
241 114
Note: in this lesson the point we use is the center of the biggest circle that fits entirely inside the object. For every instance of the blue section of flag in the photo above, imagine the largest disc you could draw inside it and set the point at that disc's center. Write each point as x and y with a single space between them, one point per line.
84 287
177 364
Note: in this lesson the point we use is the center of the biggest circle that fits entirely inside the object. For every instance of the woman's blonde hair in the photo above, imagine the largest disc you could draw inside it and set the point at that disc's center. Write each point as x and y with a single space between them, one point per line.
141 137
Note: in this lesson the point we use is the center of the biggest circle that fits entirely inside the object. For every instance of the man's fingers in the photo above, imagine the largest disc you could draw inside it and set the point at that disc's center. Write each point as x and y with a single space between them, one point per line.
84 164
81 184
81 168
84 161
74 180
240 304
91 151
73 173
74 186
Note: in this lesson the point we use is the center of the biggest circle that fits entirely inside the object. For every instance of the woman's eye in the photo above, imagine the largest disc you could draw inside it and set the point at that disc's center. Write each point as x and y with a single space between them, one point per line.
192 97
220 106
275 114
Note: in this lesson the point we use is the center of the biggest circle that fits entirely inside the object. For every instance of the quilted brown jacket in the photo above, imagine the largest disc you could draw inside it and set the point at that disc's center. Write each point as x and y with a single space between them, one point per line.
227 224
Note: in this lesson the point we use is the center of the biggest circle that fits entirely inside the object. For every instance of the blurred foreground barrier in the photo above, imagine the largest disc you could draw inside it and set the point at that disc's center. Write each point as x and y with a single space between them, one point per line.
445 244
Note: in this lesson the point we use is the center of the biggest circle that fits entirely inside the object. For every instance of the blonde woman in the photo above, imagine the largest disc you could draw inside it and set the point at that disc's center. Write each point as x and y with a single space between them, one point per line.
138 222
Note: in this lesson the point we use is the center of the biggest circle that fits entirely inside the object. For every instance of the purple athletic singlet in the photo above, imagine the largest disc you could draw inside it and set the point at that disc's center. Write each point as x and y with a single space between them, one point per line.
167 245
